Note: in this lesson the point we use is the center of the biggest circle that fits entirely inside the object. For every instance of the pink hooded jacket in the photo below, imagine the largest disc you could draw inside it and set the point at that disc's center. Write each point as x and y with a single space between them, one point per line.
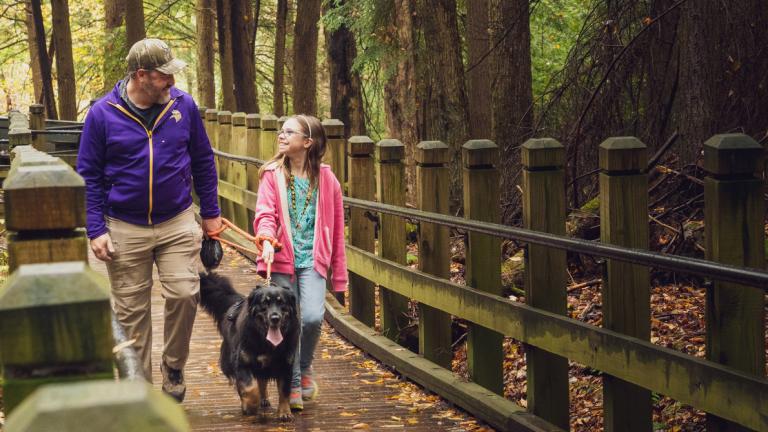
272 219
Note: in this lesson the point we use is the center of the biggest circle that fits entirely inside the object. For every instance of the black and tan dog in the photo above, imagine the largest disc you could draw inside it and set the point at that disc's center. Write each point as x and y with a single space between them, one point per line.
261 334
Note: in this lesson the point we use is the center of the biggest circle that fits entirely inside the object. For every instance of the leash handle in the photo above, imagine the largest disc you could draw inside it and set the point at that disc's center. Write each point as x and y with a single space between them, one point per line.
269 272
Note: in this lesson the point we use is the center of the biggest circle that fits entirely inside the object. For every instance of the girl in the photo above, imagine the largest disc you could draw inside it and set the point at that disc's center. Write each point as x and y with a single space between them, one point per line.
299 206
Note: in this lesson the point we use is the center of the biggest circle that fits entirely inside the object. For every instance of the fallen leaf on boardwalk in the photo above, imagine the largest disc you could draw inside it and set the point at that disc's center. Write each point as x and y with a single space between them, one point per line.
347 414
393 426
412 421
377 382
360 426
395 418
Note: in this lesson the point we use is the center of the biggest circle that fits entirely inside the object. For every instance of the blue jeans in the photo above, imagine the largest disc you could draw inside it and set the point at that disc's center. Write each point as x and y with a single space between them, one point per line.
310 288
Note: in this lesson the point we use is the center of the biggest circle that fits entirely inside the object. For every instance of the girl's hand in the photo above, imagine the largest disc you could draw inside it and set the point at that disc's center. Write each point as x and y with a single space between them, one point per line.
267 251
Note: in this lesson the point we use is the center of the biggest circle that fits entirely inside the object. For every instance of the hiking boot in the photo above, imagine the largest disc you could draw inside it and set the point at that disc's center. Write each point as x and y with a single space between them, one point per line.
173 382
295 400
309 388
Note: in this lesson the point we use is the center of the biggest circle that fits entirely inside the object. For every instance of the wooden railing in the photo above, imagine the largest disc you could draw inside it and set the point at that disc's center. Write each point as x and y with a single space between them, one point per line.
57 345
730 384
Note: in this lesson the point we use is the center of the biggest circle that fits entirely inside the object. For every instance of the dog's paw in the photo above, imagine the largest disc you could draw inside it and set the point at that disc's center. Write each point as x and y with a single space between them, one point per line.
285 415
265 403
250 411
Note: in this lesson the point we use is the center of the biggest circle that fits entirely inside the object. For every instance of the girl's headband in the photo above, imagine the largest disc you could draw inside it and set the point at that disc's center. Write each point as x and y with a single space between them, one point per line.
309 129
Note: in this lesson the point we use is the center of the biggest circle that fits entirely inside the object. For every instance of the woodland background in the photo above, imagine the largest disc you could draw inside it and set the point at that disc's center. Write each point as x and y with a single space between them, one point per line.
673 72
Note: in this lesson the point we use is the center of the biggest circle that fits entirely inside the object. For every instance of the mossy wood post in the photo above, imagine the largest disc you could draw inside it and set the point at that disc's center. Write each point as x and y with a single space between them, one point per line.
212 130
362 185
268 140
391 190
335 151
37 122
237 173
545 268
485 353
432 184
733 216
626 287
224 143
44 209
252 136
102 405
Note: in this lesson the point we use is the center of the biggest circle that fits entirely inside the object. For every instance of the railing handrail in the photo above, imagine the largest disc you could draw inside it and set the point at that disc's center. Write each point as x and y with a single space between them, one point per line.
128 363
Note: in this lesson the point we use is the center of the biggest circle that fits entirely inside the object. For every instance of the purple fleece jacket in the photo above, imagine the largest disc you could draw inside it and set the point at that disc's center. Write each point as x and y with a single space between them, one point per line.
144 176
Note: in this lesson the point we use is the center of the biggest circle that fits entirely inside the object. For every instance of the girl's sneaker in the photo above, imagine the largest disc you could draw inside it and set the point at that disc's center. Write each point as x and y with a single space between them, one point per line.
309 388
295 400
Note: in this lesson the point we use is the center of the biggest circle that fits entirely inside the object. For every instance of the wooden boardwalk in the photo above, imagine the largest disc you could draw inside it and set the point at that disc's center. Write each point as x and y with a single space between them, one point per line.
355 391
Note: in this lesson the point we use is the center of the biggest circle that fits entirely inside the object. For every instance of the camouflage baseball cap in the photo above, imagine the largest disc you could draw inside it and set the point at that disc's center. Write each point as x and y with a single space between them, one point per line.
153 54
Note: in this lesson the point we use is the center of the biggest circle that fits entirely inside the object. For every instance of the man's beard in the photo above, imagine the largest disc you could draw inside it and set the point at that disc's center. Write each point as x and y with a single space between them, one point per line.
159 96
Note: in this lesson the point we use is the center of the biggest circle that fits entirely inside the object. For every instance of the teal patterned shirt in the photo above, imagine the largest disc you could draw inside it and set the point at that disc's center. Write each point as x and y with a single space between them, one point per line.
304 235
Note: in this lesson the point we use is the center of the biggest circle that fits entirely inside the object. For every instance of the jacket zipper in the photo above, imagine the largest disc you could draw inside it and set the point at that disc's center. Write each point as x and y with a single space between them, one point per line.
151 146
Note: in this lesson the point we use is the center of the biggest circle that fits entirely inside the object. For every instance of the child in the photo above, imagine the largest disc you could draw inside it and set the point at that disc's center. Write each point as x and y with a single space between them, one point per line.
300 207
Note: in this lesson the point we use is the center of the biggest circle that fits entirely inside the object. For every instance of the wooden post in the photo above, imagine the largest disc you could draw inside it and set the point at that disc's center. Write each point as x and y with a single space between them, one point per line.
733 213
362 185
391 190
626 287
223 143
545 268
268 140
37 122
485 353
211 126
98 406
252 136
44 210
237 172
432 184
335 150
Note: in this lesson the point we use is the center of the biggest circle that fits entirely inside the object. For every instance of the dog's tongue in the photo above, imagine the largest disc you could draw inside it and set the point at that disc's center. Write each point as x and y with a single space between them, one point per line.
274 336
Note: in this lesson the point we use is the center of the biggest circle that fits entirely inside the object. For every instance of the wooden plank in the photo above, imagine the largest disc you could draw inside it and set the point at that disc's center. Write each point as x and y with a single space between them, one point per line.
224 142
236 194
734 208
703 384
362 185
237 173
432 184
545 268
626 287
502 414
485 355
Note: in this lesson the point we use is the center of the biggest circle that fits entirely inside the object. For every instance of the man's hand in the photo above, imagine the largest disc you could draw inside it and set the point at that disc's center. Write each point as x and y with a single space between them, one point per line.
102 247
211 225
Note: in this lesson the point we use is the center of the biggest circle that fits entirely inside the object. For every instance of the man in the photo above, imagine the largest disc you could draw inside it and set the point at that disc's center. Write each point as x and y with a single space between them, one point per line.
143 146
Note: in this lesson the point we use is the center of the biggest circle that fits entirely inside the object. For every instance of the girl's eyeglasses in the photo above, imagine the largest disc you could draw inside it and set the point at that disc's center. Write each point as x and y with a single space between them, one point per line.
290 132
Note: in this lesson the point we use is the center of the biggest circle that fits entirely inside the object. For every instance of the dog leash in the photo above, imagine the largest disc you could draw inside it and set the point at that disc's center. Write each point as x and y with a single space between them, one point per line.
226 223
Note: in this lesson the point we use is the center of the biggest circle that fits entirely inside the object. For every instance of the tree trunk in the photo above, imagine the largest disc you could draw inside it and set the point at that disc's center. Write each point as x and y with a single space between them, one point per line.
115 49
444 104
512 98
478 70
243 67
401 90
65 69
134 22
37 78
223 22
279 71
305 57
346 96
206 90
723 70
45 64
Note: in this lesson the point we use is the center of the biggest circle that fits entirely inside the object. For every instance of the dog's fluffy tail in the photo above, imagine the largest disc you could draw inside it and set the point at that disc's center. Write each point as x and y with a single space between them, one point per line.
217 295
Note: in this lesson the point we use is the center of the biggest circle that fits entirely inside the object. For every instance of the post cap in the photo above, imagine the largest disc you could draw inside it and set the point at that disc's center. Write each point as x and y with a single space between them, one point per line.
253 121
238 119
35 109
211 114
269 122
334 128
432 152
623 154
729 154
225 117
479 153
281 121
50 284
360 145
390 150
538 153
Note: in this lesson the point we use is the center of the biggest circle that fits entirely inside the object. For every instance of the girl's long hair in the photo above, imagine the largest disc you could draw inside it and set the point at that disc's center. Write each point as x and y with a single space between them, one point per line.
313 129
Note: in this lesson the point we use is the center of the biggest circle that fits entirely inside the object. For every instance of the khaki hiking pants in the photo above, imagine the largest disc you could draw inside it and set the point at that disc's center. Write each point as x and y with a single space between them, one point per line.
174 246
